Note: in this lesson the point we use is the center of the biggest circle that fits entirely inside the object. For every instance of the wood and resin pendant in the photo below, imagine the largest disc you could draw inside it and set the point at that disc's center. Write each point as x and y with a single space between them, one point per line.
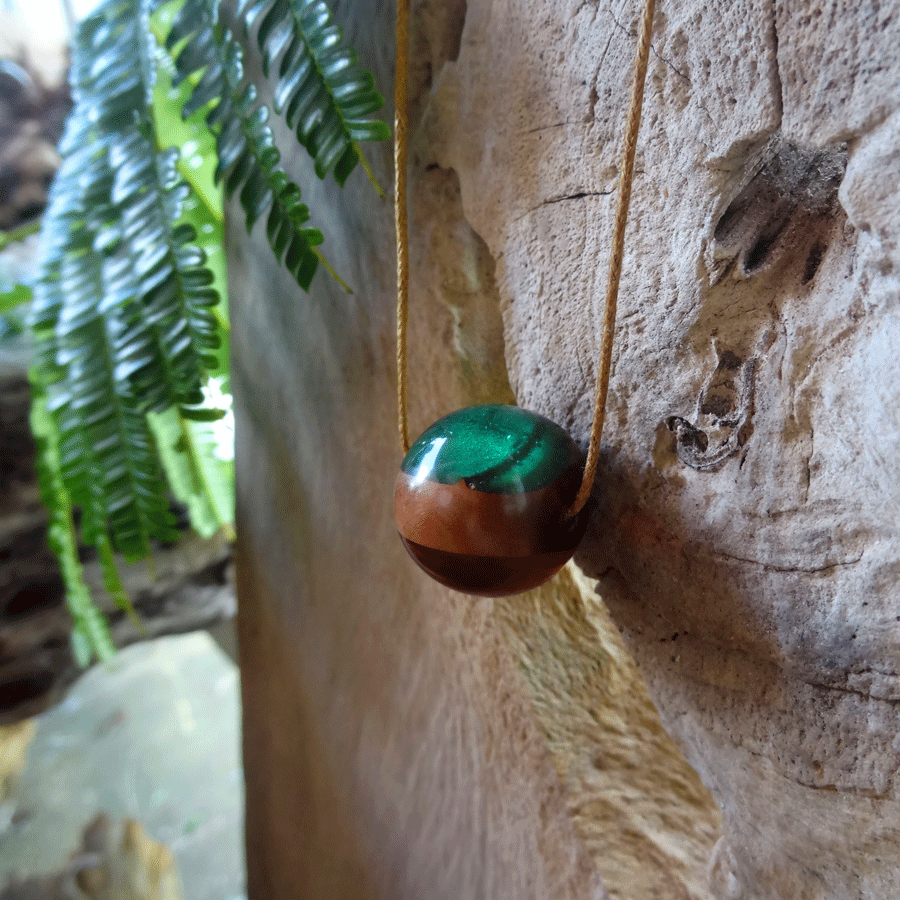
483 496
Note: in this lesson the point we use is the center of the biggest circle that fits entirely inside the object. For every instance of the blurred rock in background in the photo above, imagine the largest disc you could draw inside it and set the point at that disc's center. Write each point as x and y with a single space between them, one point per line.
113 863
34 102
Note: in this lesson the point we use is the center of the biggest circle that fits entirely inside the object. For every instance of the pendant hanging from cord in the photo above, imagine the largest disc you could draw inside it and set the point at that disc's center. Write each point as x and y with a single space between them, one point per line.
492 500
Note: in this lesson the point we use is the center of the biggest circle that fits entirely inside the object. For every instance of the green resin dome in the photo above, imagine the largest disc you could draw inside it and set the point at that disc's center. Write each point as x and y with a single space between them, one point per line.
495 449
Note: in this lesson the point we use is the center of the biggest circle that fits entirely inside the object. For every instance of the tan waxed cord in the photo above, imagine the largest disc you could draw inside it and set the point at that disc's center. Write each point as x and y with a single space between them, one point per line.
400 212
626 173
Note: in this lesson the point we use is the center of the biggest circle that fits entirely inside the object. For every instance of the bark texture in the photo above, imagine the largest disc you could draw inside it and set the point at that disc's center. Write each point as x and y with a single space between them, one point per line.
403 741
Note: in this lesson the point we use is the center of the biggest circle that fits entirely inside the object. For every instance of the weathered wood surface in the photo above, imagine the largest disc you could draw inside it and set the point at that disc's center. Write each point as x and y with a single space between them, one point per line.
403 741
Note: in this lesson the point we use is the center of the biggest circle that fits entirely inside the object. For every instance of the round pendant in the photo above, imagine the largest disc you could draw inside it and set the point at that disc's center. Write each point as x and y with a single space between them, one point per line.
482 500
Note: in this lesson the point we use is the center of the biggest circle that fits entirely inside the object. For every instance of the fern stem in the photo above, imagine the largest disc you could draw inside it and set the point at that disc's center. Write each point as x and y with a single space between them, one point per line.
151 567
368 170
193 455
216 310
113 582
19 234
330 270
215 212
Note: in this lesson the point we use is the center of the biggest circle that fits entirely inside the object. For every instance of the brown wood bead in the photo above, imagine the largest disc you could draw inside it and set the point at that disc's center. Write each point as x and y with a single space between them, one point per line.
482 500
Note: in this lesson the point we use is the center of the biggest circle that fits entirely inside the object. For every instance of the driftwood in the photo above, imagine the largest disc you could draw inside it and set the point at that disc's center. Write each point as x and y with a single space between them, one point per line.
403 741
747 530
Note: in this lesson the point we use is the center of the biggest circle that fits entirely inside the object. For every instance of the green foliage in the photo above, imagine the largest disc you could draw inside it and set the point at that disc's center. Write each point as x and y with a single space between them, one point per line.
196 164
207 53
90 632
321 90
130 331
13 298
199 478
15 295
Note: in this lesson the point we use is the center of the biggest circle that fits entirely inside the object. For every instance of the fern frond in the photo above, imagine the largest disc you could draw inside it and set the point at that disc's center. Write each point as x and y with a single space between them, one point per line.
124 306
321 90
162 267
249 156
199 479
90 632
121 302
130 202
107 455
249 161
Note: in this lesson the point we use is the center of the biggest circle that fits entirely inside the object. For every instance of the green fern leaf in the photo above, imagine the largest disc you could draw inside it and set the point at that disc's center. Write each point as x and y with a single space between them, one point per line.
125 306
108 463
321 90
122 302
249 162
200 480
130 201
90 633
